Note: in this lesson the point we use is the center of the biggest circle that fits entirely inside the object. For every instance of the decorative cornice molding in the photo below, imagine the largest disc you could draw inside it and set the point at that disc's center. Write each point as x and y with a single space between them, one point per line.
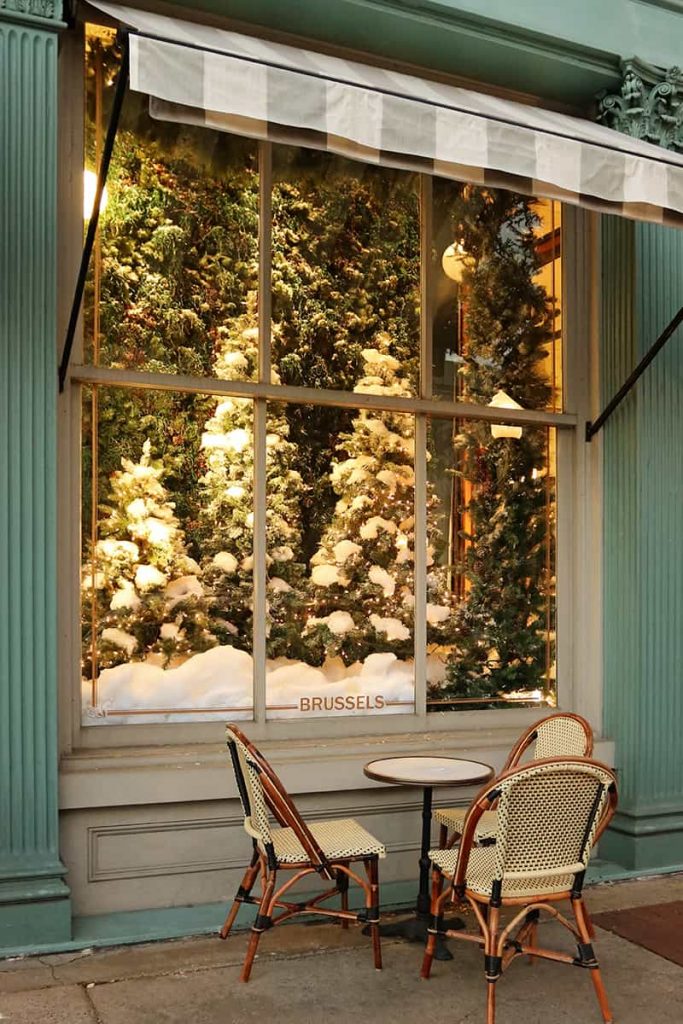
48 10
649 105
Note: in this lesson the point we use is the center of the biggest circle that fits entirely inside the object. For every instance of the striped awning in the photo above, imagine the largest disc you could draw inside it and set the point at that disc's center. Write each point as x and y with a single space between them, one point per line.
202 75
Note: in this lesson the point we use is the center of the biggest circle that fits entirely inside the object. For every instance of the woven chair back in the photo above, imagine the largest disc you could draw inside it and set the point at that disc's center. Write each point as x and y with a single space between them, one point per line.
563 736
549 813
248 775
560 735
262 794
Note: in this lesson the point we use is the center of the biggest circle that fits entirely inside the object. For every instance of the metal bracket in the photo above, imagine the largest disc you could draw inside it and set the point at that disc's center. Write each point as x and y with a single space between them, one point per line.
112 127
592 427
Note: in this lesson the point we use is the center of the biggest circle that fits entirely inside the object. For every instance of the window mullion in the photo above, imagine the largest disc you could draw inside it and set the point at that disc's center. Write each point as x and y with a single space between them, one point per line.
420 564
425 391
426 286
259 578
260 431
265 259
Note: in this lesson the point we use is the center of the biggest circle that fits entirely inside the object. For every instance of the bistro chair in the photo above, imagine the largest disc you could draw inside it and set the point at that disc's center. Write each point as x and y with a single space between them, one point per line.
549 815
325 848
560 735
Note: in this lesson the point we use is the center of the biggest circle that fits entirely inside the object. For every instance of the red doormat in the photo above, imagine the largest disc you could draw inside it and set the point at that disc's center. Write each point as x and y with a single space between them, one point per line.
658 928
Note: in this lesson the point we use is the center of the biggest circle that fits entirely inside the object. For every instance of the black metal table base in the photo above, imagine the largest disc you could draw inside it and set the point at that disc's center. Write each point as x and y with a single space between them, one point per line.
414 929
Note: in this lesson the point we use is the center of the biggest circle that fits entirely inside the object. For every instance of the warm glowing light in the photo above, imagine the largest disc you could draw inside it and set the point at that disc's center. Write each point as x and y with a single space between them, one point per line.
454 261
502 401
89 190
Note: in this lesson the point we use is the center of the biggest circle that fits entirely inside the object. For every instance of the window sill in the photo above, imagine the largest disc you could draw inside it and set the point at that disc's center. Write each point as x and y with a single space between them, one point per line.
185 774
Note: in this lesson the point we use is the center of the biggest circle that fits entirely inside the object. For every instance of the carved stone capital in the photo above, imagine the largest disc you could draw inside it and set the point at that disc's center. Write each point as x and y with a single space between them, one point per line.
649 105
49 9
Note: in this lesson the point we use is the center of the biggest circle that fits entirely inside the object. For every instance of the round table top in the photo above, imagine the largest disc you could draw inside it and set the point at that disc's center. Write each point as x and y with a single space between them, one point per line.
419 770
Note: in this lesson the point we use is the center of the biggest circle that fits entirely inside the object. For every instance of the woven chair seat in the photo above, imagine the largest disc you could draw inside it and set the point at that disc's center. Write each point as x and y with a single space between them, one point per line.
343 839
454 817
481 871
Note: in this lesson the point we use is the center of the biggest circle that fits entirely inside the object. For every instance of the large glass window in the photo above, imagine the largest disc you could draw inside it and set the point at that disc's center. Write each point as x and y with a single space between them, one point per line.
322 517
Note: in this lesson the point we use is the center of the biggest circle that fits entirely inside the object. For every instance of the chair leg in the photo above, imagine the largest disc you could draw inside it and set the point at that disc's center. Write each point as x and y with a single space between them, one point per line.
491 1002
343 886
372 868
430 948
492 965
261 923
583 925
443 837
247 884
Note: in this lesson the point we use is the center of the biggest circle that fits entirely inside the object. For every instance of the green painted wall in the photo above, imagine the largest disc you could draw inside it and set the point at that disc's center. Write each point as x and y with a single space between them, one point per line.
33 896
643 543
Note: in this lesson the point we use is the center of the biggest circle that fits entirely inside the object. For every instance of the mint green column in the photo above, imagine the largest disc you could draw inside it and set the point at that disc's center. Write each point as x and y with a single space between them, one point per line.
643 544
34 899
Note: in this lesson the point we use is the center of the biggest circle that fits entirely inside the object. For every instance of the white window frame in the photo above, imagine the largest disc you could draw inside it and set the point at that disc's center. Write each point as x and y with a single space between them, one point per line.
578 497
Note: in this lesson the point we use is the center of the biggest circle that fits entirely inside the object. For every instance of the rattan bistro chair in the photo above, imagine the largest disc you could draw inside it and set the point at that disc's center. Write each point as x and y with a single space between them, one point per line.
327 848
550 813
559 735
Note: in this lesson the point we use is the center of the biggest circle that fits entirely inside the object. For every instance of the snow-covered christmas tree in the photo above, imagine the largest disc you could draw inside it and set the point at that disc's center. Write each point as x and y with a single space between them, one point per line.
227 505
140 585
361 590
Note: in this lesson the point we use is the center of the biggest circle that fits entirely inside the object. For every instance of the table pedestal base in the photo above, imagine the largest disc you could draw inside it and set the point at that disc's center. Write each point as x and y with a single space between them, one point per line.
414 929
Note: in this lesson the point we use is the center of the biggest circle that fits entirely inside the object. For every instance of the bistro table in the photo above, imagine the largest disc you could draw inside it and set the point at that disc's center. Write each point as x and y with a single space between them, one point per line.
426 772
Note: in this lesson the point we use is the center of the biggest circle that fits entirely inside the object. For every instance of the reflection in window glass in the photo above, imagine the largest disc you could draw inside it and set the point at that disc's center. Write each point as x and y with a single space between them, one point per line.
496 297
176 258
345 267
495 523
167 550
349 624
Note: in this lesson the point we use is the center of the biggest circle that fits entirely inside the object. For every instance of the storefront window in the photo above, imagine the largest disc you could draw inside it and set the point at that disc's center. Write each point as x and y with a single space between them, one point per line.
308 524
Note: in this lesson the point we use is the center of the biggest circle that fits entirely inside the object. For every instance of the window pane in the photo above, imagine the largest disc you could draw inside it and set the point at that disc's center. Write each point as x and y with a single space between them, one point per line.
176 262
496 287
167 549
492 527
341 586
346 267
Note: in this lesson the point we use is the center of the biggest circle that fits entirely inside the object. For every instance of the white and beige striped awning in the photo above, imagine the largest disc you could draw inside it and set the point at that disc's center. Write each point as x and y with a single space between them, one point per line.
221 79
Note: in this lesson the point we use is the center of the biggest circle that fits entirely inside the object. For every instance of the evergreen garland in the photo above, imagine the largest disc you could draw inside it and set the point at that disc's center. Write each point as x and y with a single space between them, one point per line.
499 630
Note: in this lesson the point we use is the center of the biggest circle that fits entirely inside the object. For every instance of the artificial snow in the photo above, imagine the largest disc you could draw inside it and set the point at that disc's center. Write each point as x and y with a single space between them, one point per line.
226 562
337 623
370 529
125 597
383 579
222 679
326 575
392 628
282 554
148 576
437 613
344 549
119 638
182 588
388 478
278 585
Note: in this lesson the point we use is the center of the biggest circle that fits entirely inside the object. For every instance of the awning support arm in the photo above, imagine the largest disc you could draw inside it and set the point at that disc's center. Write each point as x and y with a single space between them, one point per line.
103 170
592 427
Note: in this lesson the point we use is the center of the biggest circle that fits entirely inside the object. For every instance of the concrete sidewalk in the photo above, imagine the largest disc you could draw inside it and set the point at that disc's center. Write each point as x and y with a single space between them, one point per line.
313 973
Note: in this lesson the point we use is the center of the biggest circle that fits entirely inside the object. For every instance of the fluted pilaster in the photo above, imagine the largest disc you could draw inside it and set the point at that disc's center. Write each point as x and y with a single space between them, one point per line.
643 543
34 905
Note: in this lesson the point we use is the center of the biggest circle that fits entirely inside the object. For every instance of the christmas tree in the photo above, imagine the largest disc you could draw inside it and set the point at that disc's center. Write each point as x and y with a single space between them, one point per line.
141 586
227 497
361 588
346 265
500 626
177 257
